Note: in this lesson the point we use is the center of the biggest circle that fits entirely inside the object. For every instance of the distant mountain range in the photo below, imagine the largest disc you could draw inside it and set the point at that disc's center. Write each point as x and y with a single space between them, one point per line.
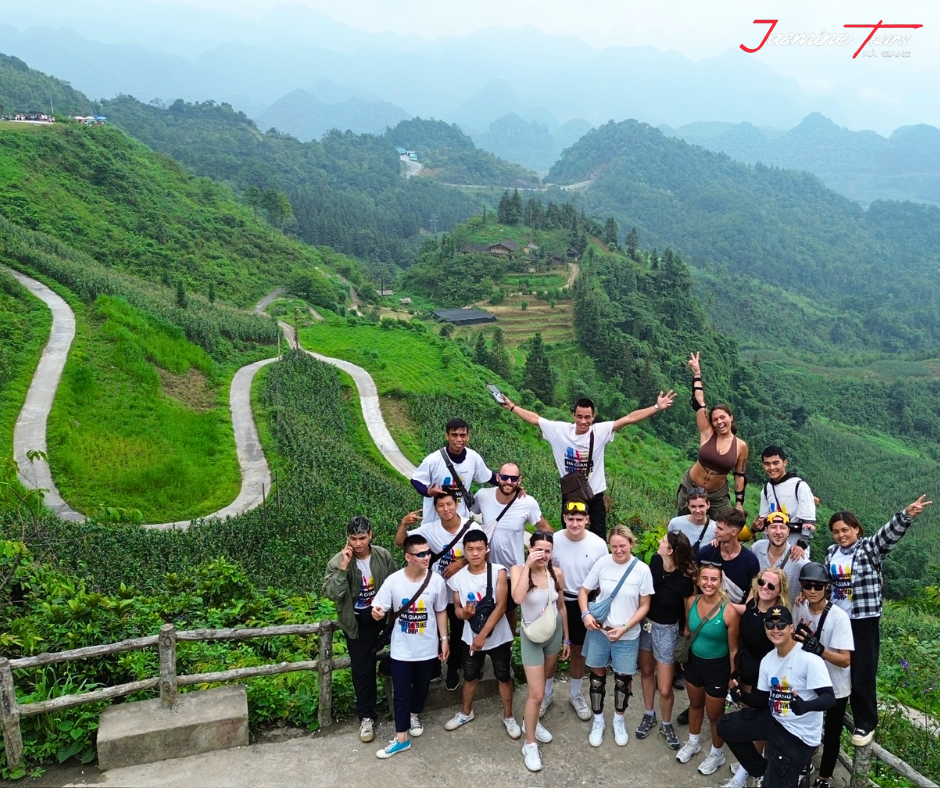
862 165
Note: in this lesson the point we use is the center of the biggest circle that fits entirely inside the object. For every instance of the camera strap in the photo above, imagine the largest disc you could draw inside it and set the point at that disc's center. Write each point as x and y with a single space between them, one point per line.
822 620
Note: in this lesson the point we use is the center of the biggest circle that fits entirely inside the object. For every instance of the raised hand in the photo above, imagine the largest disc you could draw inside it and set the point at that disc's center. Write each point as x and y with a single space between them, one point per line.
665 400
918 506
694 364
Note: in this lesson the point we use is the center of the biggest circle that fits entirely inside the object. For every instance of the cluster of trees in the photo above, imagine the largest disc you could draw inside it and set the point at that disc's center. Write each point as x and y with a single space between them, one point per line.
553 216
450 278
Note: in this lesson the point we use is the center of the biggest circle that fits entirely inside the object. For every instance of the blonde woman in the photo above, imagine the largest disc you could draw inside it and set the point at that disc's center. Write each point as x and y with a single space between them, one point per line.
615 639
711 661
537 587
770 588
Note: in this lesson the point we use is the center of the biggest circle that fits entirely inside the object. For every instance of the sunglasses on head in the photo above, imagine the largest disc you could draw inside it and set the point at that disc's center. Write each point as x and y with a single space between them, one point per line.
694 490
766 584
710 563
422 554
777 623
575 506
813 585
505 477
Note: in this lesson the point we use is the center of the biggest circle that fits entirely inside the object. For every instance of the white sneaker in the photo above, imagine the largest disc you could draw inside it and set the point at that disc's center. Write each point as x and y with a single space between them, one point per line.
580 706
541 733
512 727
533 758
687 751
417 727
367 729
547 701
597 733
458 720
620 731
712 763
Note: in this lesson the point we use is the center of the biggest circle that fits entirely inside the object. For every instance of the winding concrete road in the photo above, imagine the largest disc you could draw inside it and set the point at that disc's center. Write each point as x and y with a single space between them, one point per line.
30 431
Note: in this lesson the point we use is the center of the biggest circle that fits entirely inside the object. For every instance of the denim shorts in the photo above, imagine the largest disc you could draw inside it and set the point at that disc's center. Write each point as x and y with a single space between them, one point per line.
661 640
599 652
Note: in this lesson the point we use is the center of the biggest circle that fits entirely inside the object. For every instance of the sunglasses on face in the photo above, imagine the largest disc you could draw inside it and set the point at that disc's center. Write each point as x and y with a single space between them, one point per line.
766 584
505 477
574 506
777 623
809 585
422 554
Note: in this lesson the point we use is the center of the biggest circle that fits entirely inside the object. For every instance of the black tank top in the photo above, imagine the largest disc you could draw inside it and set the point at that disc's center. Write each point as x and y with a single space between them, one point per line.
754 641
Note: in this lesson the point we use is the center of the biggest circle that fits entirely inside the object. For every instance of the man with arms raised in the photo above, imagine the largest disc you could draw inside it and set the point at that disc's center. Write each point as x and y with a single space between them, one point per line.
452 468
505 512
445 534
579 447
576 550
415 635
352 577
483 583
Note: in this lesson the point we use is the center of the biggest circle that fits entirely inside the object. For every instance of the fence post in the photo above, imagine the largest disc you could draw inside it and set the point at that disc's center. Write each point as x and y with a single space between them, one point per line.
10 716
861 767
167 648
325 704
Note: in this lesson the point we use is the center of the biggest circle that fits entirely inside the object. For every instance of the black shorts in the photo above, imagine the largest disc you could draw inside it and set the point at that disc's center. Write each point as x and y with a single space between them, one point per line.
712 674
500 656
576 630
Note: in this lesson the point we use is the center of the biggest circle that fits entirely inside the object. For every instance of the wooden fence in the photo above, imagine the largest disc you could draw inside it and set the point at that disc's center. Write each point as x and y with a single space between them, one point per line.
169 683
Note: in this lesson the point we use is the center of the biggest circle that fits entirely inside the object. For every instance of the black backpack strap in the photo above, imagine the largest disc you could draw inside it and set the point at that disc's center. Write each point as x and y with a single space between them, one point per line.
506 507
396 613
467 495
449 547
822 620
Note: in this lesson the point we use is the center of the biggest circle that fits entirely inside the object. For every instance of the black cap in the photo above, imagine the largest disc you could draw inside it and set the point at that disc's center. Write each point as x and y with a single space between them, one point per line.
815 572
781 612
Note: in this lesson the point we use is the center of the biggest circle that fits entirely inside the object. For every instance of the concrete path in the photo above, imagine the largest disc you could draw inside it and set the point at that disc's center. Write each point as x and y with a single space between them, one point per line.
478 754
30 430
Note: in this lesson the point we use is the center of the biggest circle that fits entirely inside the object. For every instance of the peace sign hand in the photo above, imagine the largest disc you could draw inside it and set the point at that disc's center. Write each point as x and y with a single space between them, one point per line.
917 507
694 363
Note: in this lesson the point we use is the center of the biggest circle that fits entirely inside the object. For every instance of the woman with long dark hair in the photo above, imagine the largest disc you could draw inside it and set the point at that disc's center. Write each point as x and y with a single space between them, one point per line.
720 453
537 587
855 562
674 575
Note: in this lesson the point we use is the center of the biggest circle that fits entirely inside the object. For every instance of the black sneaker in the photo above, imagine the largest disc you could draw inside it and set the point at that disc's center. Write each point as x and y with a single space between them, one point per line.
436 673
861 737
683 718
679 683
453 680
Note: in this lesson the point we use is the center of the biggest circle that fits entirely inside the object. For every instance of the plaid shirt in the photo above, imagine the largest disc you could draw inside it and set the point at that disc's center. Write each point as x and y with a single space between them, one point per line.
870 554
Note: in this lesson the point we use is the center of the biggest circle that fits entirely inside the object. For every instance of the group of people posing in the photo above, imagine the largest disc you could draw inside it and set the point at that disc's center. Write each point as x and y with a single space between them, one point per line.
792 641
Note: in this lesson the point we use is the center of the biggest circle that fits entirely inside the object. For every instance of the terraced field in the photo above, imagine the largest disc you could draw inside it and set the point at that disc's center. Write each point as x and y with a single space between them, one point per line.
554 323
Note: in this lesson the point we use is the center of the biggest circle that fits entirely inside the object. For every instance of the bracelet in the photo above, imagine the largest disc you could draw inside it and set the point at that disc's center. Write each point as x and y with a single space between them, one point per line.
585 613
445 637
512 408
566 642
656 405
696 377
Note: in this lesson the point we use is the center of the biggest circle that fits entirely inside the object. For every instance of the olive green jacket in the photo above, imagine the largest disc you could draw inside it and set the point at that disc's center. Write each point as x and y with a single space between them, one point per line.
342 585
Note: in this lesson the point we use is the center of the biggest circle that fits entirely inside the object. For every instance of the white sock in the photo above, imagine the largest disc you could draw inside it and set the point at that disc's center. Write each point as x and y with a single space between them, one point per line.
716 750
549 686
576 687
695 738
650 713
618 716
740 776
599 717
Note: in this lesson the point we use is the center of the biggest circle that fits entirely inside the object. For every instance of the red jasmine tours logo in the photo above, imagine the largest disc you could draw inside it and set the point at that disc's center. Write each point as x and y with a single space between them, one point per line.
829 39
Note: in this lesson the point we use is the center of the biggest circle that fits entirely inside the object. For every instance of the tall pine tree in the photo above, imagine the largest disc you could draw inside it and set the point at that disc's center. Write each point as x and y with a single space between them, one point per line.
537 375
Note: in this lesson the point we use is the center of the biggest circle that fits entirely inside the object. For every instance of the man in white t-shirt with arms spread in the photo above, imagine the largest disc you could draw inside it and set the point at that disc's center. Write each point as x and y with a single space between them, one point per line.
505 512
571 445
433 476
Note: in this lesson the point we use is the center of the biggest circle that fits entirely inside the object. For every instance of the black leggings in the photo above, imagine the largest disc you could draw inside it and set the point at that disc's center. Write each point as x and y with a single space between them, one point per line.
832 734
864 669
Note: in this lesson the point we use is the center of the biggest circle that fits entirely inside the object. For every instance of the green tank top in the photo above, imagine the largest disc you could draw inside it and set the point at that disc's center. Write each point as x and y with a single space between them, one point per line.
712 640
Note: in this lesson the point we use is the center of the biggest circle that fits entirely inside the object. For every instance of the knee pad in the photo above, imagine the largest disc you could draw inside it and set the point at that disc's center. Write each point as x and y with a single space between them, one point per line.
597 692
622 685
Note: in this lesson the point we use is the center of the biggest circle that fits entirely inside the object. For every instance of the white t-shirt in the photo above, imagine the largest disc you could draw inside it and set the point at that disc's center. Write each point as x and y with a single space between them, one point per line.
836 633
571 451
438 538
507 537
800 672
791 570
606 574
433 470
799 504
367 589
577 559
684 525
840 570
415 636
468 586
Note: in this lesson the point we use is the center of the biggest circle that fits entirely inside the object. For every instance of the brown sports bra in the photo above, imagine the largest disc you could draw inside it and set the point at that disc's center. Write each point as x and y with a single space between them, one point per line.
710 459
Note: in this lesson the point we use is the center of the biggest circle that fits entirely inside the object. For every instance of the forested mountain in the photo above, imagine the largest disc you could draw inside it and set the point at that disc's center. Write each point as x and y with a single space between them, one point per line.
530 142
306 117
28 90
861 165
856 269
453 158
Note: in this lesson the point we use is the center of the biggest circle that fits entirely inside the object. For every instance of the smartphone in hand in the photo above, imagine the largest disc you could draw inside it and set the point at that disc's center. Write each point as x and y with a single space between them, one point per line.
496 394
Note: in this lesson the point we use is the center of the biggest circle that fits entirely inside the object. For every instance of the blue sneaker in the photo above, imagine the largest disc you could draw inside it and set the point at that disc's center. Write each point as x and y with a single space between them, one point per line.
393 748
